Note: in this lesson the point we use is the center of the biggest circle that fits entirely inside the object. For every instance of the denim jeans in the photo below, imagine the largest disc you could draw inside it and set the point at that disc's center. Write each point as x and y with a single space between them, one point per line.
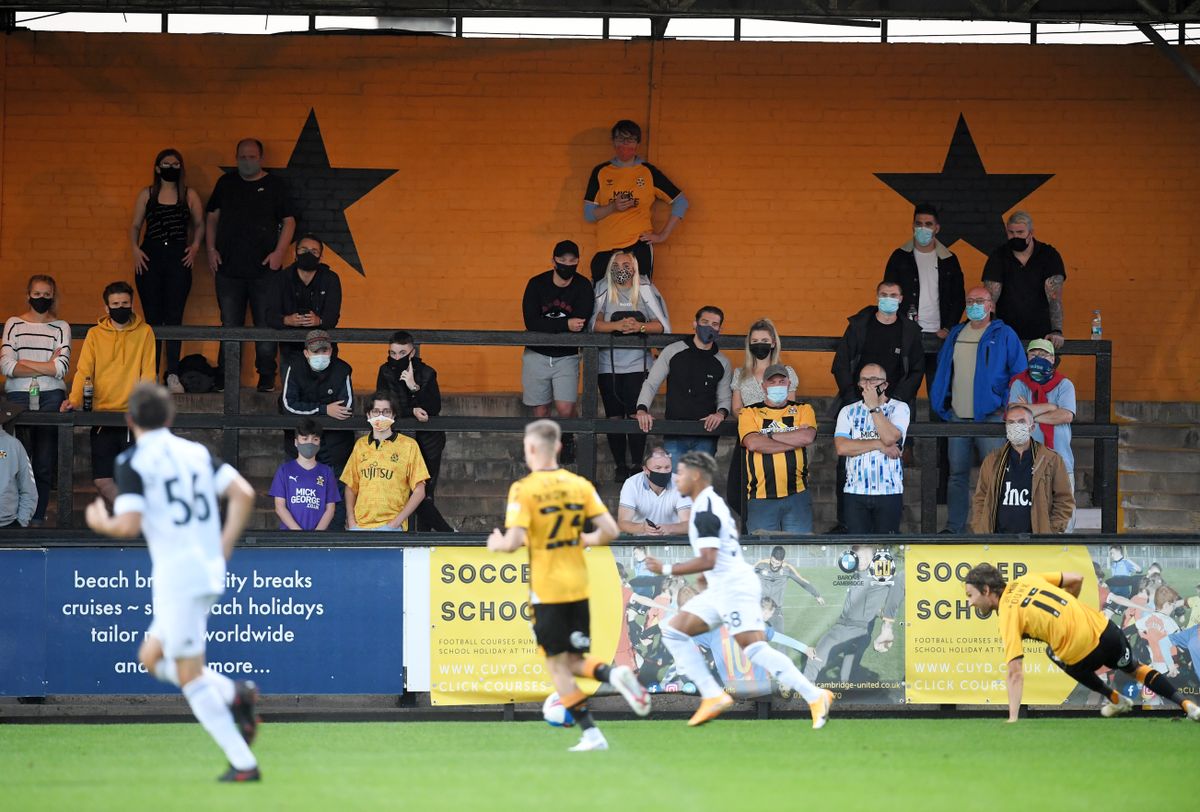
41 443
790 514
958 489
679 445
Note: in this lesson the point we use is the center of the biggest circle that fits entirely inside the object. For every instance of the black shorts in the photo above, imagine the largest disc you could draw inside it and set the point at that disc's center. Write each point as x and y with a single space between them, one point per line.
563 627
1111 651
107 443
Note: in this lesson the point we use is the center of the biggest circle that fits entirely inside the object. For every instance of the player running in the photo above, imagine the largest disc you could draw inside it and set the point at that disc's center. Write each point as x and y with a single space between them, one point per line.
167 490
733 597
1078 638
546 512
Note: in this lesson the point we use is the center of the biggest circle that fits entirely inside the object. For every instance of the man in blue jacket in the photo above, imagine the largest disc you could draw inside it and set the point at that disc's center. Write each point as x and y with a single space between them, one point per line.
974 367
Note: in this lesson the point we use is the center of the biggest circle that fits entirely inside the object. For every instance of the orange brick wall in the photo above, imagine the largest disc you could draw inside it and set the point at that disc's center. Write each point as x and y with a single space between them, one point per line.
775 145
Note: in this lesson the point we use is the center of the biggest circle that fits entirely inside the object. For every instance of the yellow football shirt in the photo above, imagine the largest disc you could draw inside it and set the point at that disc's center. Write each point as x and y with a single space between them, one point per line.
773 476
641 182
551 506
383 476
1035 606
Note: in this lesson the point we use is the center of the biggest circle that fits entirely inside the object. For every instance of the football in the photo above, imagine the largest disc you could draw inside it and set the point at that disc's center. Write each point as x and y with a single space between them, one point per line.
555 713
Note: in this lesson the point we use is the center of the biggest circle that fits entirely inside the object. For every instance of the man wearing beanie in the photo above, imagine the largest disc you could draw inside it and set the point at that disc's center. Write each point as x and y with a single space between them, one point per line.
556 301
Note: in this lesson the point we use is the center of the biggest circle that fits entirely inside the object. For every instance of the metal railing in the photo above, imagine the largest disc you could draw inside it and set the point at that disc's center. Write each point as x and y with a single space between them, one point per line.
585 427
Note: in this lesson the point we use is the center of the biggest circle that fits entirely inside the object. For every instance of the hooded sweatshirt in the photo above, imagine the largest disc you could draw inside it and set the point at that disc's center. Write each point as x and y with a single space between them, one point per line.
116 360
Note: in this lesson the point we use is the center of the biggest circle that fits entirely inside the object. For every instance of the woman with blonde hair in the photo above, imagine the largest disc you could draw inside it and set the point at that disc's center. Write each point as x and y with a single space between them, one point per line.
762 350
627 304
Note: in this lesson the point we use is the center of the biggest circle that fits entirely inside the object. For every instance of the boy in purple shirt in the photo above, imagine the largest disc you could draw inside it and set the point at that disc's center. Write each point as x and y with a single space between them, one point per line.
305 490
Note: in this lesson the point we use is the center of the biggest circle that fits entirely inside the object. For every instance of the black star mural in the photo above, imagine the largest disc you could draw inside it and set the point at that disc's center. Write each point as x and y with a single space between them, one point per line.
971 203
322 193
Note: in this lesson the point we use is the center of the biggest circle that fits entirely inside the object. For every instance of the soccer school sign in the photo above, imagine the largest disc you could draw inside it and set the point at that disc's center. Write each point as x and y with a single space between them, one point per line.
296 620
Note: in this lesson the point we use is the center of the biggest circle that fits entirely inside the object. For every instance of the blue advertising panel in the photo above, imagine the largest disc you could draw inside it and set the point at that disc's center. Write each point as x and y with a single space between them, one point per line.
295 620
22 622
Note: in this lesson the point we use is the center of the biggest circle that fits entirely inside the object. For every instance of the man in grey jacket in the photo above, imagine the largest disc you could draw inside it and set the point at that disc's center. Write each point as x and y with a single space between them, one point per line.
18 494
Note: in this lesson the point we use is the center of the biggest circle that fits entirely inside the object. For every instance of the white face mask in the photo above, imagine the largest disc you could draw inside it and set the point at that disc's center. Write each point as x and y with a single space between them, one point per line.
319 363
1018 433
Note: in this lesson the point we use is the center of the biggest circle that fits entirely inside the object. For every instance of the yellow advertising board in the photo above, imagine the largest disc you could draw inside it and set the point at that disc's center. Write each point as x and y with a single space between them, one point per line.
482 649
954 656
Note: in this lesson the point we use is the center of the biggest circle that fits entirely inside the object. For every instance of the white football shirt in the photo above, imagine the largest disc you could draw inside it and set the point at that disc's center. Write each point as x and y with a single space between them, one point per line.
712 525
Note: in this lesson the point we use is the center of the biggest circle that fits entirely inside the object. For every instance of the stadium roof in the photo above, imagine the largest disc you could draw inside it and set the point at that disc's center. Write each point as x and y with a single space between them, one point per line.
1029 11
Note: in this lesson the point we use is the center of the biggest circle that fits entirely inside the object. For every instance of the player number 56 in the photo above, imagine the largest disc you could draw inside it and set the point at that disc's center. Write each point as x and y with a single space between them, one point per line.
199 500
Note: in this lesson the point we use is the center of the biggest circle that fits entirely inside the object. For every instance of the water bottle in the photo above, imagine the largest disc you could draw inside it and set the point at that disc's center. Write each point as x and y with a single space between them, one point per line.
1097 328
35 395
88 392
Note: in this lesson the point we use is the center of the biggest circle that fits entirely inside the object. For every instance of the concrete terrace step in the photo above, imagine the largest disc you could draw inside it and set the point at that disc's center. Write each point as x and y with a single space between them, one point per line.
1160 436
1162 521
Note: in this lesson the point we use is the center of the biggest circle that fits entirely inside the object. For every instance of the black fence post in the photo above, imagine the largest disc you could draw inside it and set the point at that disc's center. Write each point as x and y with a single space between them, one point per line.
230 444
1108 485
1102 476
585 441
66 473
929 485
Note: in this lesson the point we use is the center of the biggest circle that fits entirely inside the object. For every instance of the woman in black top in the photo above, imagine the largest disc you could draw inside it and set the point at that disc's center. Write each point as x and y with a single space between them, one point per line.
174 222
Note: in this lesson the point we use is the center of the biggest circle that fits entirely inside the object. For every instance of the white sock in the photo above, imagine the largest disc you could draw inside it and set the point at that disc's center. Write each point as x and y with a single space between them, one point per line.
689 661
782 669
223 684
215 716
166 671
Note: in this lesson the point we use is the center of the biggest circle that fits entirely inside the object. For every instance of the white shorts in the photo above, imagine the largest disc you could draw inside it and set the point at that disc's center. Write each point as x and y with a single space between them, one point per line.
180 624
738 606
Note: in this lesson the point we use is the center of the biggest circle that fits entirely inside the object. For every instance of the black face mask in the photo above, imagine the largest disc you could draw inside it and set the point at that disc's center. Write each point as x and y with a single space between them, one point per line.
170 173
41 305
660 479
120 315
400 364
307 261
1017 244
564 271
761 351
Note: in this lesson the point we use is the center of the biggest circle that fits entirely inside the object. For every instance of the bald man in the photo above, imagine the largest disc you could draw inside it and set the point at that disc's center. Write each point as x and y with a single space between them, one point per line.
974 366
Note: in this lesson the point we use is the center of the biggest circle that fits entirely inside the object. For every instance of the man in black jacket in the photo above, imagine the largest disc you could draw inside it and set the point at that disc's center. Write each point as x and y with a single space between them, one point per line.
319 385
414 388
877 335
306 294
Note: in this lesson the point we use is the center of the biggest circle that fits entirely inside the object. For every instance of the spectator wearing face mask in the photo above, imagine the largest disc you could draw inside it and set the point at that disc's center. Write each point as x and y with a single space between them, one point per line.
775 434
930 277
1026 278
385 477
162 263
651 505
250 223
117 354
627 304
697 377
319 384
556 301
305 295
762 351
1023 486
37 347
620 201
870 437
305 491
413 385
1050 396
876 335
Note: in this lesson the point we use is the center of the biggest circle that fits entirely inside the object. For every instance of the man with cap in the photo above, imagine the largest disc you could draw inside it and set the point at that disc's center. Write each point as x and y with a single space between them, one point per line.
318 385
775 436
18 493
1050 395
556 301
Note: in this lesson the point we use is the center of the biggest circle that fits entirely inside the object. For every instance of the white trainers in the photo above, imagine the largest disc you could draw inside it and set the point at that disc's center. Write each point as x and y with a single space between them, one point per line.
174 386
626 682
1193 711
1111 709
591 740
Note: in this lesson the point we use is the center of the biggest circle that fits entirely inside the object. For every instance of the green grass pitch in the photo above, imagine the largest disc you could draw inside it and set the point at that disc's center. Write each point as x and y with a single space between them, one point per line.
733 765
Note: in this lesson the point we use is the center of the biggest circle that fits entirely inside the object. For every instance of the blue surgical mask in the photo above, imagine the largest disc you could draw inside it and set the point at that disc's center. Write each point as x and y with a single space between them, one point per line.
976 312
1040 369
888 305
319 363
777 394
923 235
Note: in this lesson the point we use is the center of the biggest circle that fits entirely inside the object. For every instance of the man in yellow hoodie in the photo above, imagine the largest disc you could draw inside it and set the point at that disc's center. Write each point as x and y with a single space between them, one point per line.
117 354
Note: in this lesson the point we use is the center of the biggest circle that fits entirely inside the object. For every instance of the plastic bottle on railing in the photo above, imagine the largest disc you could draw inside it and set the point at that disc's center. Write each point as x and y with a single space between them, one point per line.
35 395
1097 327
89 392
